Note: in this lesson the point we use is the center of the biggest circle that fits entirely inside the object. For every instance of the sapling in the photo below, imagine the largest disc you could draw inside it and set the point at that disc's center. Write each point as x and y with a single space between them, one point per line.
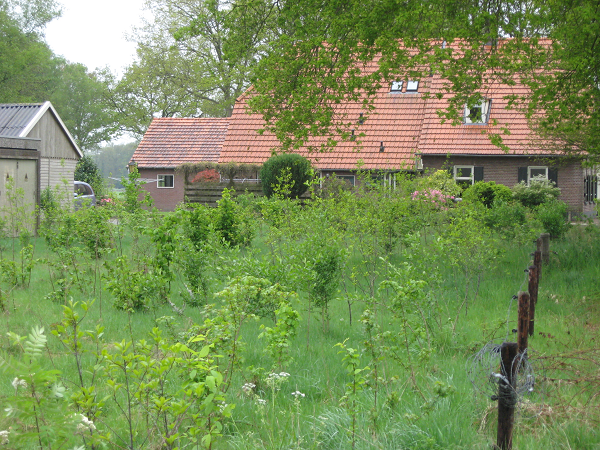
351 362
37 408
285 329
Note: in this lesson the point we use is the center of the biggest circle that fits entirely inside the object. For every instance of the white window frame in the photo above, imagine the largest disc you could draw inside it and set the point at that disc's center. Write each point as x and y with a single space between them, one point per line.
458 179
350 178
397 86
161 179
412 86
529 177
485 105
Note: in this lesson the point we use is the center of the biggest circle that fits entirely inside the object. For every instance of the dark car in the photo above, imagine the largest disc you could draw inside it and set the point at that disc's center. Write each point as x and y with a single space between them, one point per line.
84 195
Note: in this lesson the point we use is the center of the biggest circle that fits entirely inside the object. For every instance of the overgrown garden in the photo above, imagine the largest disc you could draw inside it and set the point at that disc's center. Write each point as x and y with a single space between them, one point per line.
348 320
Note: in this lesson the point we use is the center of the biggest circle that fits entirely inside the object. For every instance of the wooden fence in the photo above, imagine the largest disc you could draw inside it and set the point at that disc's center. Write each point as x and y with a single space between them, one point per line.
210 193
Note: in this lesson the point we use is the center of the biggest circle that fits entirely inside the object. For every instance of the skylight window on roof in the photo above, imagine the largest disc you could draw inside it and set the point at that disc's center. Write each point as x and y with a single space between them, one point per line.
397 86
412 86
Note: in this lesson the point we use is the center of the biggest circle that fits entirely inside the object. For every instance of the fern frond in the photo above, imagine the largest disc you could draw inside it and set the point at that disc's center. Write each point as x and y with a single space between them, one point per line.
35 342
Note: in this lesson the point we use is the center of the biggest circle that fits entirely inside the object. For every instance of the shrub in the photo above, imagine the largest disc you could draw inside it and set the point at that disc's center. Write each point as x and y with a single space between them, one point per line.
539 191
287 174
487 193
231 222
333 186
205 176
442 181
553 217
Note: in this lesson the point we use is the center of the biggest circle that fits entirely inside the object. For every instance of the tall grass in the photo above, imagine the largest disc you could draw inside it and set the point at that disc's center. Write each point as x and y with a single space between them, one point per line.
420 397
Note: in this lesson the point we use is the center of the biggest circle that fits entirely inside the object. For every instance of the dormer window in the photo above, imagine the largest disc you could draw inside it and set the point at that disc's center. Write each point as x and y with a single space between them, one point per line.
397 86
412 86
478 114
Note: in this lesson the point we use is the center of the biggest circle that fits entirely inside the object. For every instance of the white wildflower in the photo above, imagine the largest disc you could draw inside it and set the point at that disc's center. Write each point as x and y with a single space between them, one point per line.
298 394
222 407
18 382
261 401
4 437
248 388
284 374
85 424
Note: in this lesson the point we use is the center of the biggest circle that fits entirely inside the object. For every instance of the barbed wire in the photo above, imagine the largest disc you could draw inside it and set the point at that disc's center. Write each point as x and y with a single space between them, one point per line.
487 375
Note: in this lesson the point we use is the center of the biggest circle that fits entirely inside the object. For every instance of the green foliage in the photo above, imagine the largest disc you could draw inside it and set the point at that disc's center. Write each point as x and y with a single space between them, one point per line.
537 192
286 174
300 87
167 376
48 200
487 193
87 171
280 336
231 222
553 216
442 181
132 289
135 196
36 407
80 99
513 220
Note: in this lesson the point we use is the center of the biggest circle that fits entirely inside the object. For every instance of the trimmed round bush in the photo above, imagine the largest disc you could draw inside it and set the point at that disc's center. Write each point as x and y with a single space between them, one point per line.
286 174
487 192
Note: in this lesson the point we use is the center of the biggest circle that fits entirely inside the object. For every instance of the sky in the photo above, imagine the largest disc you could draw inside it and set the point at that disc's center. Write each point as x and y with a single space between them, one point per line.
92 32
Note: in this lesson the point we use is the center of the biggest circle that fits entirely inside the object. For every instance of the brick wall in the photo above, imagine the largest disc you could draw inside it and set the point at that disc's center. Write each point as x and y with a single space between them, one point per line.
504 170
165 199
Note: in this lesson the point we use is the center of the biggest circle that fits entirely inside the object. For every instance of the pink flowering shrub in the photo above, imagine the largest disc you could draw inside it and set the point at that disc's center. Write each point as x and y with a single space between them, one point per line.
433 197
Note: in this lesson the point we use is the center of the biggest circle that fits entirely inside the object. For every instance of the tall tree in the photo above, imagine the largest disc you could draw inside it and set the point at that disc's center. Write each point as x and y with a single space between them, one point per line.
27 65
194 59
79 98
318 62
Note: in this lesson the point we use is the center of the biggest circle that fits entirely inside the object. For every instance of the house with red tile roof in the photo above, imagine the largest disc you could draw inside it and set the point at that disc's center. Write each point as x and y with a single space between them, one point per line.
170 142
405 132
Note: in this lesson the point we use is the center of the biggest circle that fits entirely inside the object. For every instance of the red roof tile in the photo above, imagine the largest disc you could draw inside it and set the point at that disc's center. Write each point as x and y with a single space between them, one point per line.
170 142
406 123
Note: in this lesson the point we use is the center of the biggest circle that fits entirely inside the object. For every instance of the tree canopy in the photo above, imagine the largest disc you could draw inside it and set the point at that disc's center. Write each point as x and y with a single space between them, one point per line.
551 47
194 58
31 73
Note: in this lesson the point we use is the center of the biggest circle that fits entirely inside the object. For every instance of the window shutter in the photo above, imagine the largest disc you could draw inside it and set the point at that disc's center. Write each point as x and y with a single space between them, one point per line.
522 174
553 174
477 174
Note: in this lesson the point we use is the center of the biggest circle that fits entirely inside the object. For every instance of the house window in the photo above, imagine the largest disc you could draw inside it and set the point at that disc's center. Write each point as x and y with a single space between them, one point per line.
478 114
464 175
165 181
538 172
412 86
397 86
349 178
526 174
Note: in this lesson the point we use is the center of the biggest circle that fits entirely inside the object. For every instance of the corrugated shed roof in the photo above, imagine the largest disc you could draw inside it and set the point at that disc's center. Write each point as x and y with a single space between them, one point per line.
18 119
15 117
170 141
406 123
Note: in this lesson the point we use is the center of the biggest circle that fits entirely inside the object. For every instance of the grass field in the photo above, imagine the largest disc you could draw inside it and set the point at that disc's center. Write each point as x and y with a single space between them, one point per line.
349 323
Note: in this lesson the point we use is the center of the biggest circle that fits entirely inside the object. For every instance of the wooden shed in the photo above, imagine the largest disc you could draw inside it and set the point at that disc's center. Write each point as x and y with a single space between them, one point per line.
36 150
